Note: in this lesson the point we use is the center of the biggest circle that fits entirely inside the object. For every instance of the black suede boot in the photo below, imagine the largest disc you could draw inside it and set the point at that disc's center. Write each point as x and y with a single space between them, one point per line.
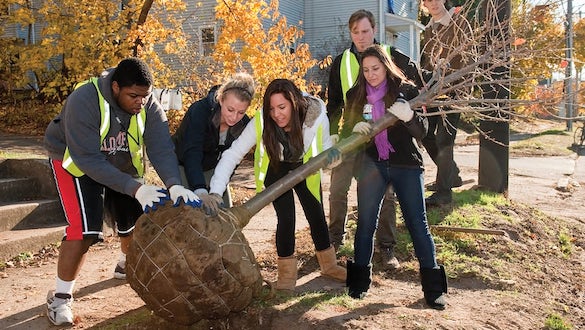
359 279
434 286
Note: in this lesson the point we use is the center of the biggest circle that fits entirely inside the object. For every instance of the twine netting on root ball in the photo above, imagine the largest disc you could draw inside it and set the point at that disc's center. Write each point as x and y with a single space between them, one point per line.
187 266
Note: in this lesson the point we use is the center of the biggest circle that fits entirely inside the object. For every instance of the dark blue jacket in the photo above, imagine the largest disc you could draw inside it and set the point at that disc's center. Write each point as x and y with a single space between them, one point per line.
197 138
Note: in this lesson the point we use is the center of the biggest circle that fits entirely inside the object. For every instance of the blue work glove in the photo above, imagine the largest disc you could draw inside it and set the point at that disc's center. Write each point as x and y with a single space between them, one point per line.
150 196
179 192
333 158
211 203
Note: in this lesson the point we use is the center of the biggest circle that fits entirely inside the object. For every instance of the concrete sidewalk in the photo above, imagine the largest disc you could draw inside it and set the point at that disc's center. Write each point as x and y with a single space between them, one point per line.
21 144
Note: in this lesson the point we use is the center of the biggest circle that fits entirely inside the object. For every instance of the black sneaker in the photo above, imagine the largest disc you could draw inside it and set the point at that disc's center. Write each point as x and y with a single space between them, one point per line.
120 272
457 182
389 261
438 200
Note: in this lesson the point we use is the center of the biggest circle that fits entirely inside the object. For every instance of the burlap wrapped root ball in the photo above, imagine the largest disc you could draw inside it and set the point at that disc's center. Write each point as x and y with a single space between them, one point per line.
188 267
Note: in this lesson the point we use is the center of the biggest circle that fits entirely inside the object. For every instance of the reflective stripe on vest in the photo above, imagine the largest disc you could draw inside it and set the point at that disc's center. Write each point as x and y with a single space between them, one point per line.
314 180
137 124
261 159
349 69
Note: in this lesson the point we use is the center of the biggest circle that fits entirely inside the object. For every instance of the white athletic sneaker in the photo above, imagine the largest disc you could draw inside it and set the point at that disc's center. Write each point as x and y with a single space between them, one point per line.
120 272
59 308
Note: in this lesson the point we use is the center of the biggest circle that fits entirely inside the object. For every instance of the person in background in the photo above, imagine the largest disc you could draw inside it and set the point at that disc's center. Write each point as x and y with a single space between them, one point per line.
391 157
209 127
95 148
362 27
444 35
290 129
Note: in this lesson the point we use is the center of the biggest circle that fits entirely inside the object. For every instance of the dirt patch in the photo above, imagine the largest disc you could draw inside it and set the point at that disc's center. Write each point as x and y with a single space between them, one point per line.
516 281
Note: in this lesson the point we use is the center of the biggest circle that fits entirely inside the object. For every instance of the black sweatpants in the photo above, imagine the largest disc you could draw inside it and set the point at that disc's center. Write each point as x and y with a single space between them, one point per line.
284 206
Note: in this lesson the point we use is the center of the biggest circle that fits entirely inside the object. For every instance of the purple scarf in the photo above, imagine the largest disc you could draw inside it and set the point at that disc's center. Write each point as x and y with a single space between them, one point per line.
375 96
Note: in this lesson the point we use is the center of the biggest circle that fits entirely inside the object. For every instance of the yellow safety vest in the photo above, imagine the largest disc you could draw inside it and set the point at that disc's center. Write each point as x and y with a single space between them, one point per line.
349 69
136 125
261 159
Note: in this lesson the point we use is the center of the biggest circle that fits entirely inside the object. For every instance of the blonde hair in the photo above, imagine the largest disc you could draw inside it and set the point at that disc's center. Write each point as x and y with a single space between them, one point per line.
241 84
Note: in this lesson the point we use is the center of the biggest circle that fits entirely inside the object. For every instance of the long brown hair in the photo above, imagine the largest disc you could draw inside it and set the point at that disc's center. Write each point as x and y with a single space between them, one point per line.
299 110
394 76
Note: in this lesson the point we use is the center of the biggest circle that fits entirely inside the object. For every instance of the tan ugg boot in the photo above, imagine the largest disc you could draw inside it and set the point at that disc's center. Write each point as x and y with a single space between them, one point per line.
287 273
329 266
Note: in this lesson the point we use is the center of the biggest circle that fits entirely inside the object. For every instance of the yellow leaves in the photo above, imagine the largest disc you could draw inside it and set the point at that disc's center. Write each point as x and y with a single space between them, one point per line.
274 52
324 63
23 15
80 39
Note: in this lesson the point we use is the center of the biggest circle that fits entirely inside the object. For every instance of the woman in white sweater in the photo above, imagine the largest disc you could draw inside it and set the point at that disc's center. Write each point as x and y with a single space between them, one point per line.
291 128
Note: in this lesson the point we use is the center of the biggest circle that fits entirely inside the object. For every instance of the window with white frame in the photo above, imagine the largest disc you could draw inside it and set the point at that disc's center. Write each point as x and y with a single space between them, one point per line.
206 40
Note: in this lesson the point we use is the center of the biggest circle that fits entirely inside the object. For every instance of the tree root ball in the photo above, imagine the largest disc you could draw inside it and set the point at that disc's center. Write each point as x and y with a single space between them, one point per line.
187 266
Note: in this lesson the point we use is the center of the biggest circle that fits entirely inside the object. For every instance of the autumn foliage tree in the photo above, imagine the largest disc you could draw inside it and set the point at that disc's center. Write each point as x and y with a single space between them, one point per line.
537 52
80 39
268 52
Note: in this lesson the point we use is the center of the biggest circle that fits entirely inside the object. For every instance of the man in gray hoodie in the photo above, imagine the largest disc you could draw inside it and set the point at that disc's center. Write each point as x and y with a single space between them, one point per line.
95 150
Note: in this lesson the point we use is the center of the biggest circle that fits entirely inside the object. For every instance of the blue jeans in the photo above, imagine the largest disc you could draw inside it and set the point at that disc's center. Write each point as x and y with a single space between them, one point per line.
375 176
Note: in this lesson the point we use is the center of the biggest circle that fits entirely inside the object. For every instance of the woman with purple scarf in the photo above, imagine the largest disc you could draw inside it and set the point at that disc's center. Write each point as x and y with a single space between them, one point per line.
392 158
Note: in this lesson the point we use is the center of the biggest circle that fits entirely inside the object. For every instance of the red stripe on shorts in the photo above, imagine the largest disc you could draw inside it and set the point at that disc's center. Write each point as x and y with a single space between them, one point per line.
70 201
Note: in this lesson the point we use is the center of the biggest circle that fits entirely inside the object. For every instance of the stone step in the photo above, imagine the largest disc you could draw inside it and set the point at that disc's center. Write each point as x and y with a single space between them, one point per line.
38 169
14 242
18 189
31 214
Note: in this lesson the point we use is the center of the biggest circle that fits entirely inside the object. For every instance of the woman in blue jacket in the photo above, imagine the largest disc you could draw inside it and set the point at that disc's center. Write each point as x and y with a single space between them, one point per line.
209 127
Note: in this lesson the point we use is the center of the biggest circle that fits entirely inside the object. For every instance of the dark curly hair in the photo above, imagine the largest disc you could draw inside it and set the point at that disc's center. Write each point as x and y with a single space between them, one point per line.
132 71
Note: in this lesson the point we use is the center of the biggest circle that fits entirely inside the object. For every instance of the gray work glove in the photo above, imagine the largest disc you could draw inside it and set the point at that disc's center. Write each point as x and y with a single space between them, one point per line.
401 109
362 128
211 203
333 158
334 138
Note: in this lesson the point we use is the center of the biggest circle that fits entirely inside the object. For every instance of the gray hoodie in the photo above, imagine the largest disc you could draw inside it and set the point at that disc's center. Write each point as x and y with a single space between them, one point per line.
77 126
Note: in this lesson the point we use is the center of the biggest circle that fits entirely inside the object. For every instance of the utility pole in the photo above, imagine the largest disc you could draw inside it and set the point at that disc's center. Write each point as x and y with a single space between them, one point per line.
569 97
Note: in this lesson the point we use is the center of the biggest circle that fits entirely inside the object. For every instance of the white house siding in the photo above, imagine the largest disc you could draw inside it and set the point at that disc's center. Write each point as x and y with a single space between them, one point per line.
326 29
293 10
406 41
194 18
19 31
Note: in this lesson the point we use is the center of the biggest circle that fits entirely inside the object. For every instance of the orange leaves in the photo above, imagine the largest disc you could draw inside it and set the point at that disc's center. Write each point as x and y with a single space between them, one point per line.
81 39
518 42
271 53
